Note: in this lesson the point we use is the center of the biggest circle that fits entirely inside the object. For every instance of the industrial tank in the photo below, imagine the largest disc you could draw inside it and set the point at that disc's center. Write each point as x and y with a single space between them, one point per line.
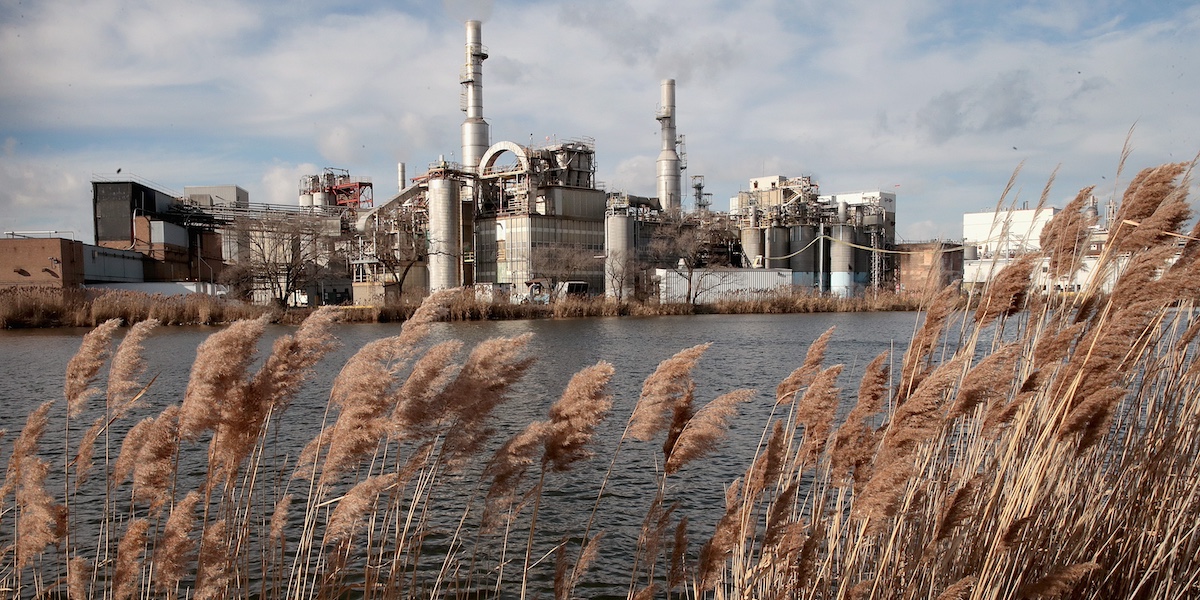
804 253
306 200
320 198
618 233
777 247
841 261
445 234
752 248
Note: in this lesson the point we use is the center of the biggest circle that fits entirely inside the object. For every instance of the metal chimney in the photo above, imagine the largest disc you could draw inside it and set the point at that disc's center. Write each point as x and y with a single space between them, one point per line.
475 135
669 187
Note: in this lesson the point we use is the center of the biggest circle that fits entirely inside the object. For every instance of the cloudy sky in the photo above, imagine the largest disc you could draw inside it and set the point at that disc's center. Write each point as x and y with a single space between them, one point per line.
936 102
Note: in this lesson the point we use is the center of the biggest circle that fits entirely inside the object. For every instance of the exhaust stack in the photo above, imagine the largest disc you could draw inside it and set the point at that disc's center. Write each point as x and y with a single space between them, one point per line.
669 186
475 134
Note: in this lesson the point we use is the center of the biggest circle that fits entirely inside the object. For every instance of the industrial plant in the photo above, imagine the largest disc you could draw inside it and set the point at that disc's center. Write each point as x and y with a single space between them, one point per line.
516 222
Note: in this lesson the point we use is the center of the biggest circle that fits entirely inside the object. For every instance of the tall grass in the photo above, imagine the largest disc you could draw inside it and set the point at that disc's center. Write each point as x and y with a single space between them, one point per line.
1039 446
32 306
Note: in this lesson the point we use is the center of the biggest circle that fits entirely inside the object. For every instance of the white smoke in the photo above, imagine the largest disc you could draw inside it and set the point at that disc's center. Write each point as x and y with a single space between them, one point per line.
467 10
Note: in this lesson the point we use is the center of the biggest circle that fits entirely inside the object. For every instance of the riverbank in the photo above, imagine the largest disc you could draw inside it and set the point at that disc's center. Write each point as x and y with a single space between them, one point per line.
35 307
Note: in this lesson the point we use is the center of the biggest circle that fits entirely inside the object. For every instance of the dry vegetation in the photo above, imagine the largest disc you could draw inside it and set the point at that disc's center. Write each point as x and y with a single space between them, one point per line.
1051 452
32 306
50 307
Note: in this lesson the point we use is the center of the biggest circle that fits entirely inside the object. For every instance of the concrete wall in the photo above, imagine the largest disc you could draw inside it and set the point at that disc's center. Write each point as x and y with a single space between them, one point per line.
710 285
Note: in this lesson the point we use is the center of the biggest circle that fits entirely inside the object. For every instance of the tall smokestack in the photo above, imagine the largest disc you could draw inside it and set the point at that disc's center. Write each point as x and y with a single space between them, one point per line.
669 187
475 135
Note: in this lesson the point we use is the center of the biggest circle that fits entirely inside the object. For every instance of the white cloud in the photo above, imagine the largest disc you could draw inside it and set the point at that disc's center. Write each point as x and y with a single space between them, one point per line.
860 94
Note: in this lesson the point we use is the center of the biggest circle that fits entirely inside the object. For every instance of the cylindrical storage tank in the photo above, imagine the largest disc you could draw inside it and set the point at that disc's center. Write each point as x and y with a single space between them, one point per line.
841 261
752 248
970 252
306 200
320 199
777 247
804 253
618 236
445 237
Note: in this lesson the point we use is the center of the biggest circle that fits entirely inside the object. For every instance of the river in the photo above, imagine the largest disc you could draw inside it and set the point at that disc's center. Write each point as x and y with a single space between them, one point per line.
748 351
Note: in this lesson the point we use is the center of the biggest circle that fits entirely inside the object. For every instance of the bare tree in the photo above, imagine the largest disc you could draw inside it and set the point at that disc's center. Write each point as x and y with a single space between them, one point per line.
397 252
287 251
690 249
563 262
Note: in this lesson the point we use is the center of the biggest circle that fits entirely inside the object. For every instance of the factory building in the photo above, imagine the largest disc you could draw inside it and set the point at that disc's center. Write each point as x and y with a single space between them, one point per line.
178 244
510 219
928 266
514 221
841 243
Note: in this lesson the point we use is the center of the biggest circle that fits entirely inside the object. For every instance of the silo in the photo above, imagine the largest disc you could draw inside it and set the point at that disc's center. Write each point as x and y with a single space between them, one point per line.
777 246
444 234
306 200
320 199
752 248
618 235
804 252
841 261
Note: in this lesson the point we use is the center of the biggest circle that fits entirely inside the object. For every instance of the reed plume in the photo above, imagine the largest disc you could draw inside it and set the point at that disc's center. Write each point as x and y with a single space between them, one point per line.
25 446
481 385
704 431
347 516
1064 237
87 449
507 469
127 367
1143 198
131 446
668 387
41 522
217 382
155 466
915 365
804 375
1058 582
279 518
574 417
86 364
959 590
769 464
1007 291
816 410
417 409
292 360
855 442
129 559
214 567
987 381
79 576
175 547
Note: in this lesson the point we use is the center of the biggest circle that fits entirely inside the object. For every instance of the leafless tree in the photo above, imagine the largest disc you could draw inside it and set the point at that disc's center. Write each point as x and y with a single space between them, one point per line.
563 262
288 251
691 250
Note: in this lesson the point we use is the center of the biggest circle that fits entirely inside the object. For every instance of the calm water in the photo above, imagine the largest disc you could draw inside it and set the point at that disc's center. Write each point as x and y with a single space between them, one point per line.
754 351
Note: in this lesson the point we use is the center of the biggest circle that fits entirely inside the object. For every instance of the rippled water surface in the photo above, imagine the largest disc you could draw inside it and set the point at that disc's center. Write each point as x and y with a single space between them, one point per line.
748 351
